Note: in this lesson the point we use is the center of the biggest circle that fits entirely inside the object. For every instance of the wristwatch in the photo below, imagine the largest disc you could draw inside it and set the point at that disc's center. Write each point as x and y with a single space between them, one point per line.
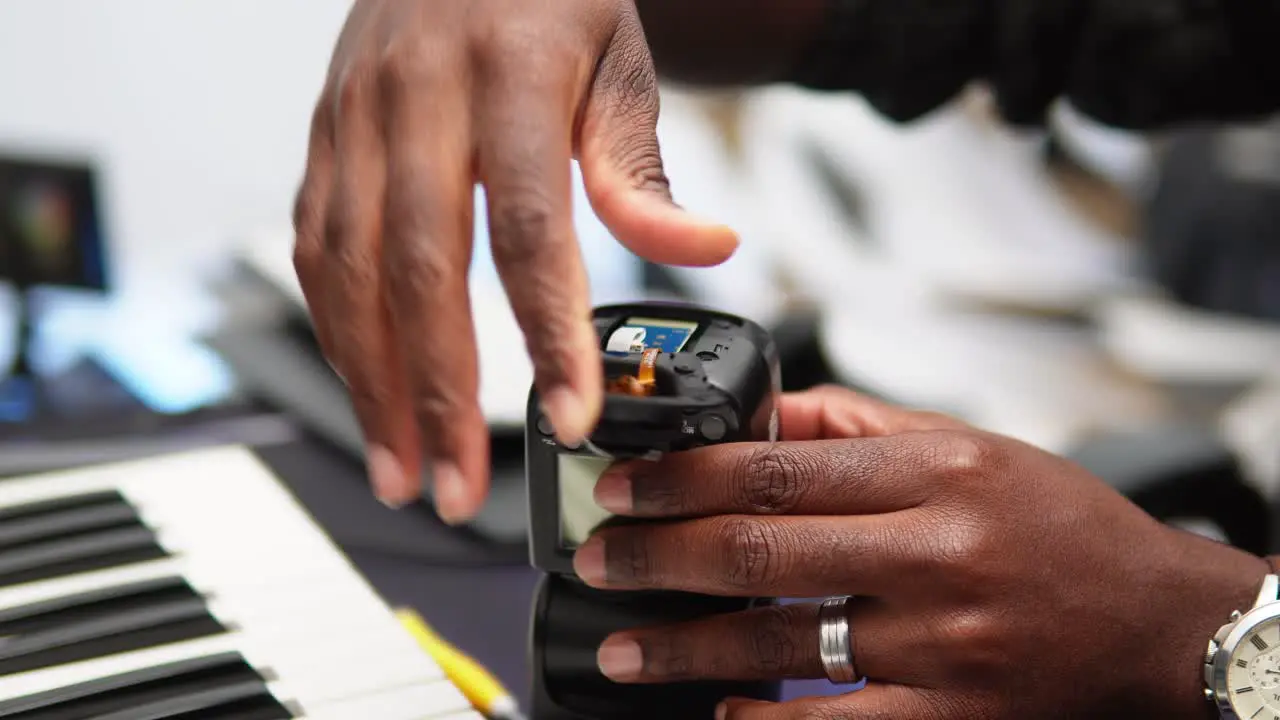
1242 665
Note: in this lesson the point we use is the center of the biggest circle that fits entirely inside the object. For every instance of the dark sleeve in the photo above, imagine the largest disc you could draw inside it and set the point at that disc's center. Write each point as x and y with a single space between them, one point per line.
1139 64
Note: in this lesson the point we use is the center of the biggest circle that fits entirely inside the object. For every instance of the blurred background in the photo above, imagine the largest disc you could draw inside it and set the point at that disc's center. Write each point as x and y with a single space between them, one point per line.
1111 297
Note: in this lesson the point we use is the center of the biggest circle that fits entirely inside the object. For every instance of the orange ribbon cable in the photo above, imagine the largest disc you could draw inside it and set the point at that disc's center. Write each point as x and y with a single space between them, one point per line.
644 383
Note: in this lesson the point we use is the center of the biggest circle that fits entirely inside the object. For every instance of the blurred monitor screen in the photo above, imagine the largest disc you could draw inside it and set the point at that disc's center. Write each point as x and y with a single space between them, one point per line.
50 225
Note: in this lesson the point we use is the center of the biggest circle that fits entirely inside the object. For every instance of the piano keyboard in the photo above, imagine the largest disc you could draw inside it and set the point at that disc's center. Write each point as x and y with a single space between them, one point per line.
194 587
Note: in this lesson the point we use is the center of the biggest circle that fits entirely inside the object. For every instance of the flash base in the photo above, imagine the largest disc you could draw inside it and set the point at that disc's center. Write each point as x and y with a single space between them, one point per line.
571 619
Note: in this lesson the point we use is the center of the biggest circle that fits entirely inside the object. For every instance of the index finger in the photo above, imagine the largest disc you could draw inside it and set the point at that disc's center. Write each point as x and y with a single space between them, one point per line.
527 120
832 412
823 477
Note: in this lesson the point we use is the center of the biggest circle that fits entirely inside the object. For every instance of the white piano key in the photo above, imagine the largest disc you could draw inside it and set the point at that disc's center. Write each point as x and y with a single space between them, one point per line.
37 681
44 590
319 600
300 610
205 572
408 703
223 473
323 662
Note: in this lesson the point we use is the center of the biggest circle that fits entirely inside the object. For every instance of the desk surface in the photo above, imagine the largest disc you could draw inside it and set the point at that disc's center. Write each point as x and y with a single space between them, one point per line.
484 608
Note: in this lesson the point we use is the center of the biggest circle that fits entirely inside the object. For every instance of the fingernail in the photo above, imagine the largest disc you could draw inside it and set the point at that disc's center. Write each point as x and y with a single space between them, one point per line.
620 659
390 484
588 562
722 710
450 495
568 414
613 492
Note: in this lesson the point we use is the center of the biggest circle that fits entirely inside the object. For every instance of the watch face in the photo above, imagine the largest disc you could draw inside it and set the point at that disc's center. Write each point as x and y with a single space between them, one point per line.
1253 678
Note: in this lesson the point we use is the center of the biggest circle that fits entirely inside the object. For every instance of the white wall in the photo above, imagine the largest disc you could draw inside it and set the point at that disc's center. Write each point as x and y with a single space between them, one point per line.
197 112
197 109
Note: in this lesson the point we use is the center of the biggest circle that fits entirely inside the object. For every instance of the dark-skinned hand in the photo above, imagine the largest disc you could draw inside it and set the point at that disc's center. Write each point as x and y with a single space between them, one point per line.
992 580
425 99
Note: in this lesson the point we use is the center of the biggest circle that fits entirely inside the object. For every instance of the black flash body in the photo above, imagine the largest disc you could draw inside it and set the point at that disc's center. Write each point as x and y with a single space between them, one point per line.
678 377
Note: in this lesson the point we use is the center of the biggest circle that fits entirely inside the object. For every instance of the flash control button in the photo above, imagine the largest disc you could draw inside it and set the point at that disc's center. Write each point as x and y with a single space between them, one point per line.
713 428
544 426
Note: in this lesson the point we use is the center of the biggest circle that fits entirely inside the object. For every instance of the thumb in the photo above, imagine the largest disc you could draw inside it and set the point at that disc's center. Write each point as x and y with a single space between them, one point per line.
622 164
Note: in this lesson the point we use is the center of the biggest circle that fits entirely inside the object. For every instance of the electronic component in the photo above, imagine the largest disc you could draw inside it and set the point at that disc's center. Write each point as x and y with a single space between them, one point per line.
677 378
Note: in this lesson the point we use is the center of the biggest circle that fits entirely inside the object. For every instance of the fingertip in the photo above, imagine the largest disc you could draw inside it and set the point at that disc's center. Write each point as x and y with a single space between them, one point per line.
620 658
667 234
588 562
655 228
733 706
391 485
571 414
454 503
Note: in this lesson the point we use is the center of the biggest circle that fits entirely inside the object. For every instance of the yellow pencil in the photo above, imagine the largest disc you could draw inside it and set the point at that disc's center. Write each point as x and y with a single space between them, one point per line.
480 687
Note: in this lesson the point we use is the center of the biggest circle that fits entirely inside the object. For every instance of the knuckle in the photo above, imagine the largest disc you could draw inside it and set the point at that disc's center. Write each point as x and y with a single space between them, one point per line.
403 67
531 52
321 126
631 73
753 553
641 159
655 493
773 648
976 645
771 481
352 254
964 556
412 267
958 456
306 211
629 557
637 80
669 655
369 394
433 407
519 226
351 93
308 257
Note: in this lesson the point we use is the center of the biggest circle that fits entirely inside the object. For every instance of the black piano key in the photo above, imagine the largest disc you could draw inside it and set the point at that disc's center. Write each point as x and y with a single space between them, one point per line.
58 505
205 665
102 622
67 523
122 631
81 553
262 708
60 610
210 688
195 704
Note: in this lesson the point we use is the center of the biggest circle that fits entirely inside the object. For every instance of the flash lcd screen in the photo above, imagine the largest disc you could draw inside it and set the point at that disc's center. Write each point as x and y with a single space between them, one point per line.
579 513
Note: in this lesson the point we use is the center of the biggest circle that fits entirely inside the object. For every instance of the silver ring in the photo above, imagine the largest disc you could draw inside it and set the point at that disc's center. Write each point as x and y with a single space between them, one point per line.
835 640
